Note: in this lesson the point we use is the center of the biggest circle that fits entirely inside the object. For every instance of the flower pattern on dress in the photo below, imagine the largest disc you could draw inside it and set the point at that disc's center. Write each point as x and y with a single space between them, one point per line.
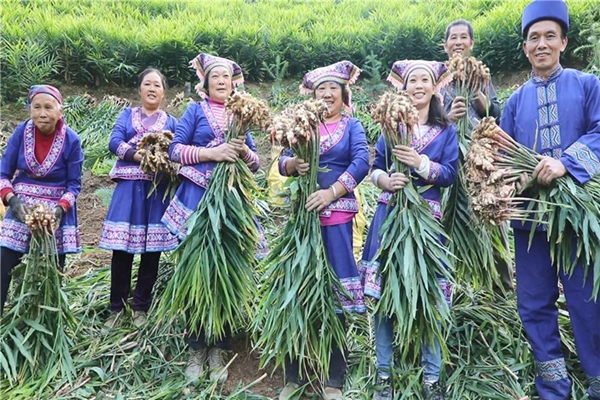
355 302
48 192
348 181
175 218
214 125
196 176
40 170
137 239
334 137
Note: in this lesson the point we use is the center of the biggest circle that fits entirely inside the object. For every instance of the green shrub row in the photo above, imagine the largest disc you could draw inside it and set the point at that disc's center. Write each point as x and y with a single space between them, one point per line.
97 42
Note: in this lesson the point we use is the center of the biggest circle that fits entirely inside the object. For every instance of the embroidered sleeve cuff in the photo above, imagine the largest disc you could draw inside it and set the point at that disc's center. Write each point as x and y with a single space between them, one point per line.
435 170
282 166
251 159
423 170
348 181
122 150
67 198
584 157
376 174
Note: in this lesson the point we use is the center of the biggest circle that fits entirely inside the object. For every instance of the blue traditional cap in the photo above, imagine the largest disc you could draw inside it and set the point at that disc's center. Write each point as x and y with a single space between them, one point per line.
539 10
343 72
402 69
46 89
203 63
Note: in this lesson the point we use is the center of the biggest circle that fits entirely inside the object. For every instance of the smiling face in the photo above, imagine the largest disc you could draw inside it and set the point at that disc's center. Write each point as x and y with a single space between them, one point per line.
45 111
419 86
543 46
151 91
331 93
219 84
459 41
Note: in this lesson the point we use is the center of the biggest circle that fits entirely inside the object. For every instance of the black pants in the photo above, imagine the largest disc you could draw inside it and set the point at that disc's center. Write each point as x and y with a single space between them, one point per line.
8 260
198 341
337 365
120 280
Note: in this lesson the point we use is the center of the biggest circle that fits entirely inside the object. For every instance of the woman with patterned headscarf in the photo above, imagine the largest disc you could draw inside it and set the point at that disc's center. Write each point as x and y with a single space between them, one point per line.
41 165
199 144
433 158
344 157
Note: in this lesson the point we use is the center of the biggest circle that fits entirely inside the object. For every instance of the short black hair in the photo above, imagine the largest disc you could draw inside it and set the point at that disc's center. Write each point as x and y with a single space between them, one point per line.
563 28
345 92
457 23
149 70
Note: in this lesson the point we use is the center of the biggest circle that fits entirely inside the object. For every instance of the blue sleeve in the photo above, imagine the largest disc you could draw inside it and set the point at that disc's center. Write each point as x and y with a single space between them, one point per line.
359 167
494 109
582 158
117 143
8 164
184 133
507 121
74 165
171 124
443 173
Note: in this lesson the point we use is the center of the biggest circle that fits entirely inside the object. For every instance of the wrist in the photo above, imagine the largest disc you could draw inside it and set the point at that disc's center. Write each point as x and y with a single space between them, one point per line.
333 191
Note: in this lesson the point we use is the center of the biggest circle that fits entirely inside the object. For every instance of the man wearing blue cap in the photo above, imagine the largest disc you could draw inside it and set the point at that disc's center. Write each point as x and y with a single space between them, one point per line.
556 112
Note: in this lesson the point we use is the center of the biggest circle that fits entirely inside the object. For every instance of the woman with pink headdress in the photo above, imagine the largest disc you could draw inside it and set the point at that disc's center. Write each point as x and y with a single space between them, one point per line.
433 158
199 144
41 165
344 157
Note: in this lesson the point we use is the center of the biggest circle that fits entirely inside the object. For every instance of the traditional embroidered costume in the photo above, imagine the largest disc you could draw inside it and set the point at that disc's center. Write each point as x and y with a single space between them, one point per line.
132 225
563 113
440 145
345 156
40 169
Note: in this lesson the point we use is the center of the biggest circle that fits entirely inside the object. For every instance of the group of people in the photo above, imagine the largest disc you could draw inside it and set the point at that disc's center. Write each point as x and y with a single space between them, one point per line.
557 111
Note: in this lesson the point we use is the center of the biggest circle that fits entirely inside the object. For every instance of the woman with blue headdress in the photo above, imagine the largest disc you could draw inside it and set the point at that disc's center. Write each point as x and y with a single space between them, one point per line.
41 165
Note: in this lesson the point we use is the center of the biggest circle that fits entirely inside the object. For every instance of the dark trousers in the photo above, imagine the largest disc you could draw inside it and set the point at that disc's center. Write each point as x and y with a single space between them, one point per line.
198 340
337 365
8 260
120 280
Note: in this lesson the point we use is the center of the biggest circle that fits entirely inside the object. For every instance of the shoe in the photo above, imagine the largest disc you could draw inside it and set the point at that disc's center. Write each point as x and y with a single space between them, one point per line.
195 365
331 393
112 321
288 390
218 372
434 391
139 318
383 389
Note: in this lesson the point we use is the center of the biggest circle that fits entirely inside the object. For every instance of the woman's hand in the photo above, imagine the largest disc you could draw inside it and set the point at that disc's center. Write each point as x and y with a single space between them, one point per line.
319 200
240 144
228 152
296 165
137 157
407 155
392 183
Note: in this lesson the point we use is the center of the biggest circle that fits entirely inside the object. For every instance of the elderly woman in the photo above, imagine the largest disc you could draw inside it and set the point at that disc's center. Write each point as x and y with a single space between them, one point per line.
199 144
433 159
133 225
344 157
41 165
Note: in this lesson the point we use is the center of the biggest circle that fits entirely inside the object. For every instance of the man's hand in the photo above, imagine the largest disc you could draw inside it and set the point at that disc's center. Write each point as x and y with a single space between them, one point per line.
548 169
458 109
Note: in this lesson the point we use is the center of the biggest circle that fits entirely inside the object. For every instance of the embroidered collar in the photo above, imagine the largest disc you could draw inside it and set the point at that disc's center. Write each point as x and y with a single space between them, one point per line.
214 124
334 137
42 169
553 75
140 129
419 143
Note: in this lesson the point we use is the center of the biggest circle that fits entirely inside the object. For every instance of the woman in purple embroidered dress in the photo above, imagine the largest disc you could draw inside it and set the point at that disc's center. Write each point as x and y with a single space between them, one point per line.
433 158
199 144
345 155
132 225
41 164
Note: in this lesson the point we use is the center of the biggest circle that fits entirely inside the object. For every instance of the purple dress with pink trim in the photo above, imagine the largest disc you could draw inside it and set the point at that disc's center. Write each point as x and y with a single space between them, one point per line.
441 146
198 127
57 177
133 221
345 155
